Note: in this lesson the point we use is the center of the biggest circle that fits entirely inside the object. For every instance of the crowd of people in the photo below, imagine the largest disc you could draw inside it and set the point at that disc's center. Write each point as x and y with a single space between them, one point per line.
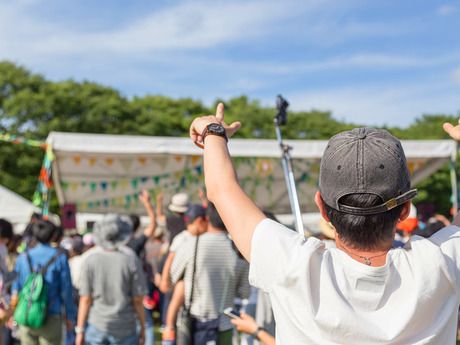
119 281
220 271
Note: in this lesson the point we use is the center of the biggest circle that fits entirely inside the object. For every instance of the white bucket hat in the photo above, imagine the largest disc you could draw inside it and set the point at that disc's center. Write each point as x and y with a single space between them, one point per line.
113 231
179 203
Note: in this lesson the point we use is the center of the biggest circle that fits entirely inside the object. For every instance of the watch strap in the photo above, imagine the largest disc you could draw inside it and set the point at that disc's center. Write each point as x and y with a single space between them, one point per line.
207 132
256 333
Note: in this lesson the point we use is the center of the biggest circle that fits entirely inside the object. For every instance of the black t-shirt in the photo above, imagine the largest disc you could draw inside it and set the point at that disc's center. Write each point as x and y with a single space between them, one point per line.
174 224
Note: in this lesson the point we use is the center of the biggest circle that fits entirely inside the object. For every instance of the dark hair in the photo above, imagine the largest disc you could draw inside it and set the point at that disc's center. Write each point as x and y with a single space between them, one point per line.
43 231
214 217
363 232
6 229
135 221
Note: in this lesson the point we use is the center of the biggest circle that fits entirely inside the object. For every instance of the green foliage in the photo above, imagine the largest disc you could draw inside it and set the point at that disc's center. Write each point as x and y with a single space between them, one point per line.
33 106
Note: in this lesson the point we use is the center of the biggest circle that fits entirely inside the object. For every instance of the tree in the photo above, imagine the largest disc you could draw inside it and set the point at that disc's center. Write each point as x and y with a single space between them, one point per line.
32 106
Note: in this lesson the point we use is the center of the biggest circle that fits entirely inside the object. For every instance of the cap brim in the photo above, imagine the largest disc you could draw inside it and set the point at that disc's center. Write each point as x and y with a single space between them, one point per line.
175 208
386 206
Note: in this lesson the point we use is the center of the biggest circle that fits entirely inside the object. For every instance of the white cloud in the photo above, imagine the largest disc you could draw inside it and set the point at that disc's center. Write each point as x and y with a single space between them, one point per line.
380 105
446 10
188 25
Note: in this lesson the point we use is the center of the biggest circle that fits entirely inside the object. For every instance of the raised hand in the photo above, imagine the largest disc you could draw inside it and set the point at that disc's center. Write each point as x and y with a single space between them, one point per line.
144 197
200 123
453 131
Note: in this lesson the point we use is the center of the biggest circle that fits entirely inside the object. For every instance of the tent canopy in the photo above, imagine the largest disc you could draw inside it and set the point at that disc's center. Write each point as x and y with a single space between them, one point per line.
104 173
16 209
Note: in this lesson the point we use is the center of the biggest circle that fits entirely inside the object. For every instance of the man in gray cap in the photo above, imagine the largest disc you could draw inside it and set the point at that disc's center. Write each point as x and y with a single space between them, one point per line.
363 291
112 286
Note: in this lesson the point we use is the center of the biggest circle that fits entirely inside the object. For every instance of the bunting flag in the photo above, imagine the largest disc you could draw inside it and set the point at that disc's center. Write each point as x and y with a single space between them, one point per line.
42 193
13 139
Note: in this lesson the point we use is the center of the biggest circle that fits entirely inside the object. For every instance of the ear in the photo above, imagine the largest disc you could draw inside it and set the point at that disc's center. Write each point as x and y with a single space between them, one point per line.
320 203
405 211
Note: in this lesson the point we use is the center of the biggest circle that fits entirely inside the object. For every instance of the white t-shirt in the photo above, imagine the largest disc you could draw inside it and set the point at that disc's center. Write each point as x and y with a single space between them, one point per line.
323 296
179 240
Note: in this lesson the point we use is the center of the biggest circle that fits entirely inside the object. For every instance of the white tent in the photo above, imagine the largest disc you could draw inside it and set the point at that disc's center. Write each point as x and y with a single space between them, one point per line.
104 173
16 209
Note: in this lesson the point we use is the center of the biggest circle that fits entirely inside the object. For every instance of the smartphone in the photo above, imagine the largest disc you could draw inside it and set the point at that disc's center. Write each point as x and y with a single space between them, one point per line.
231 313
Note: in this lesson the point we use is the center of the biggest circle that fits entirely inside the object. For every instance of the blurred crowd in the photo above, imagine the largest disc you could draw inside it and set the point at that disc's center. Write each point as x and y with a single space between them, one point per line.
119 281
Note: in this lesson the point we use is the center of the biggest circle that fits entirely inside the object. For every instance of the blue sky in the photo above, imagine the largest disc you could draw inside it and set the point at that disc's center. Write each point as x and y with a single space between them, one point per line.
369 62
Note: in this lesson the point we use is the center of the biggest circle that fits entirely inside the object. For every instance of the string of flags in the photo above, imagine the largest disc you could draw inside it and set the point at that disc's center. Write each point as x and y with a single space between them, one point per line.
14 139
41 197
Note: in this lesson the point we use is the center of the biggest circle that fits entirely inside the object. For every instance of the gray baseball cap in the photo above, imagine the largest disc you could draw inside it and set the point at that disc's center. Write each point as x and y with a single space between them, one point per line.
365 161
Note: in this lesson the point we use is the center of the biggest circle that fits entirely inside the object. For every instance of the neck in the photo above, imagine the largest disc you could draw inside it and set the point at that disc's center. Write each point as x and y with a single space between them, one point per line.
213 230
372 257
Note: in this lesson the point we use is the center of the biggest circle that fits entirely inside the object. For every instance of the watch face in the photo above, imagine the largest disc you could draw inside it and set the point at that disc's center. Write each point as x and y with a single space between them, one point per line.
216 129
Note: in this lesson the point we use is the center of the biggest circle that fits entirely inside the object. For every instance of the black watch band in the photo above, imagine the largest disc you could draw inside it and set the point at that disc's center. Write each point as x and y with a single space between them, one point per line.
256 333
214 129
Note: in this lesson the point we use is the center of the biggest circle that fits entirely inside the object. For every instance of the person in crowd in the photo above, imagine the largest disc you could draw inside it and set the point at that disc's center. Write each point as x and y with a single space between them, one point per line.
196 224
137 244
6 235
209 265
174 224
349 294
13 246
59 286
432 226
175 221
246 324
112 286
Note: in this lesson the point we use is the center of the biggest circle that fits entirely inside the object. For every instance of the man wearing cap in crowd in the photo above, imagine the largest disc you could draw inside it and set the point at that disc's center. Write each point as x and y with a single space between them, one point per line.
196 224
214 275
363 291
112 286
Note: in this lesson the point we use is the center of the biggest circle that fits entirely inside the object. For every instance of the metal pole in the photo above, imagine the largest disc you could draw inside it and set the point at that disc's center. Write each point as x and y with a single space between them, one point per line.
286 161
453 179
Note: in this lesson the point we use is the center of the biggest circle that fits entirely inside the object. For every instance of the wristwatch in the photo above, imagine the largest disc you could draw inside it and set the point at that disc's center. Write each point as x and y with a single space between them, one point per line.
214 129
79 330
256 333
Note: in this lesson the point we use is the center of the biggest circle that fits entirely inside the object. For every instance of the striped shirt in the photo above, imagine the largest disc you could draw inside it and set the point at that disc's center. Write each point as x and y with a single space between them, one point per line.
220 276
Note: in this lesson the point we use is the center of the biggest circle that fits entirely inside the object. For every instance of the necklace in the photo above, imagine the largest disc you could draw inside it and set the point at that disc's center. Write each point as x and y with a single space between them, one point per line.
366 259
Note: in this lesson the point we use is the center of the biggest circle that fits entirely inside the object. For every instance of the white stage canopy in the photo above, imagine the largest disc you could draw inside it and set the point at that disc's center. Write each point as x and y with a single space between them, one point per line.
103 173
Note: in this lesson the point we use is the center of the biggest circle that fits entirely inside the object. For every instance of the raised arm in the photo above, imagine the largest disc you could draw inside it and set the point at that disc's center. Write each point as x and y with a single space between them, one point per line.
453 131
144 197
238 212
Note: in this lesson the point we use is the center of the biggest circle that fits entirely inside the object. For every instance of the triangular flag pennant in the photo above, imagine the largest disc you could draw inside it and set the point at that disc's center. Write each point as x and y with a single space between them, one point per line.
142 160
156 179
134 183
178 159
103 185
93 186
106 203
123 184
144 179
64 186
109 161
114 184
199 169
92 161
195 159
76 159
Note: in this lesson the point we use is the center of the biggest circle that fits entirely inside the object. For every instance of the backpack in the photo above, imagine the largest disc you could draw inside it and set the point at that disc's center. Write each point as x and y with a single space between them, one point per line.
33 299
